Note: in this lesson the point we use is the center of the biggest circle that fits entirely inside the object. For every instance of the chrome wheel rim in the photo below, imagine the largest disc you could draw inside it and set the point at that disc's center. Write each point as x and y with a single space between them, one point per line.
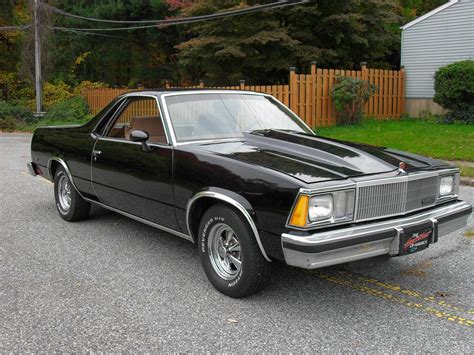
224 251
64 193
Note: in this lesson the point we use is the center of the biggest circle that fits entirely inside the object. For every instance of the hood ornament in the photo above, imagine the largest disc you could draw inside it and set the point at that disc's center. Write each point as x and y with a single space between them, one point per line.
402 166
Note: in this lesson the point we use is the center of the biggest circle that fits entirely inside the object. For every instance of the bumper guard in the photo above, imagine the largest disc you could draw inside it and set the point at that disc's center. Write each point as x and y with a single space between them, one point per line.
31 169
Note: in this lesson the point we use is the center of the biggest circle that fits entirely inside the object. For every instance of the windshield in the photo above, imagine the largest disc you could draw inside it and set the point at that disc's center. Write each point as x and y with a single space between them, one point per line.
227 115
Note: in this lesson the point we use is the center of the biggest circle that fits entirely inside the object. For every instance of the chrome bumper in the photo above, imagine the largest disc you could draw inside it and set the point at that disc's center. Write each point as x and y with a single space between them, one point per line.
31 169
365 241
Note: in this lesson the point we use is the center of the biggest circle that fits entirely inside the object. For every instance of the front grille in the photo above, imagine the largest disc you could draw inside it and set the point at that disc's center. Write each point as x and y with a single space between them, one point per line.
397 196
421 193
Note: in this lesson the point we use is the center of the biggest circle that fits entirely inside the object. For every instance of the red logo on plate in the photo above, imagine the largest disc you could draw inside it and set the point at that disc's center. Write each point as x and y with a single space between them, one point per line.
415 239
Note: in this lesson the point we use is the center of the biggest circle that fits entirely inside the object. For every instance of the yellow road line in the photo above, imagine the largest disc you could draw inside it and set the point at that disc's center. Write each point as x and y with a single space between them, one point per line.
41 179
411 293
397 299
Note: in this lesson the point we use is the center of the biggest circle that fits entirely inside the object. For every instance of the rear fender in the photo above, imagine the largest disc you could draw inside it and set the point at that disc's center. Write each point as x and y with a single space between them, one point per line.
57 160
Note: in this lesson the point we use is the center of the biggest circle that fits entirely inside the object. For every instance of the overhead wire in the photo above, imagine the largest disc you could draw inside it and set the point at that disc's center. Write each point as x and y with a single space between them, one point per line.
83 33
169 22
82 29
14 28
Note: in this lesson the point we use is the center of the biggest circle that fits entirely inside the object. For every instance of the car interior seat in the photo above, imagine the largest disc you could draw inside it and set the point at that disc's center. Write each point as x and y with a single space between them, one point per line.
150 124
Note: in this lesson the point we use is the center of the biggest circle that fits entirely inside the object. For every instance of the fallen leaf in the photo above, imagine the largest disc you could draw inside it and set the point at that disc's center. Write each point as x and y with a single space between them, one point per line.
469 234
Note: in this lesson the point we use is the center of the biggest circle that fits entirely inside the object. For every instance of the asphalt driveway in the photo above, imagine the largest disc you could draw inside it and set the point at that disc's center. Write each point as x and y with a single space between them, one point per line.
113 284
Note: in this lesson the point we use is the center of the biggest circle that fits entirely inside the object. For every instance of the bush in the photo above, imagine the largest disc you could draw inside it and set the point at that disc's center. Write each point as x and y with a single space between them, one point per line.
13 114
9 85
8 124
70 110
349 96
454 87
55 93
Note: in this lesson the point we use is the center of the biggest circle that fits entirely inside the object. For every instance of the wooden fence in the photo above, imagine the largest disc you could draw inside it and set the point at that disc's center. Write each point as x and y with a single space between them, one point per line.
311 99
308 95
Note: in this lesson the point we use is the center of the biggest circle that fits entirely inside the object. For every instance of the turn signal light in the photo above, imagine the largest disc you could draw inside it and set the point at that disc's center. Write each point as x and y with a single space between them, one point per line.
299 217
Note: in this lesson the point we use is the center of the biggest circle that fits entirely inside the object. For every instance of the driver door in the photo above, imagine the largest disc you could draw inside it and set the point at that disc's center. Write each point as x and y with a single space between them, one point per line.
128 178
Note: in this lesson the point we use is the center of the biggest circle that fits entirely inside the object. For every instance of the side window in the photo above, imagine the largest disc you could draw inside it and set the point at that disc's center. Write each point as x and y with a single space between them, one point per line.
141 114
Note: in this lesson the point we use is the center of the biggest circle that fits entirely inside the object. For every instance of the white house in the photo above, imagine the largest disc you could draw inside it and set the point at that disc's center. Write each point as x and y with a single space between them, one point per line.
440 37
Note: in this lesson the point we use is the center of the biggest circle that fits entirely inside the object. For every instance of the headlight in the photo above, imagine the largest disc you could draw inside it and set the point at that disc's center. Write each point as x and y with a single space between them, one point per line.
320 207
446 185
330 207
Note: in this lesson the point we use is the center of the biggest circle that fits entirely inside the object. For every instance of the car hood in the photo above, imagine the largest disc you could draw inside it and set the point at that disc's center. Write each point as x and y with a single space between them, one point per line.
312 159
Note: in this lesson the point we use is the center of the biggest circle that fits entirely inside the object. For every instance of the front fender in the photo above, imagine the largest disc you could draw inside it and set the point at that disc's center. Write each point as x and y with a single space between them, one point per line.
235 200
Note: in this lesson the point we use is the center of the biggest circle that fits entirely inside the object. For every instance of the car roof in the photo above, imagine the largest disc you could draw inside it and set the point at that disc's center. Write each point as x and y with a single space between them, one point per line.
160 92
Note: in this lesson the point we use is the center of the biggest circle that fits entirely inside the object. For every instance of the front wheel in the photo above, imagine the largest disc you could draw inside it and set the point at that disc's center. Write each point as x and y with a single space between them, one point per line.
71 206
229 253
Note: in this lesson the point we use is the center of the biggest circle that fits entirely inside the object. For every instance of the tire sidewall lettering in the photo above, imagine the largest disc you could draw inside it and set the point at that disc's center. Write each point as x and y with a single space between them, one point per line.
204 248
237 279
205 230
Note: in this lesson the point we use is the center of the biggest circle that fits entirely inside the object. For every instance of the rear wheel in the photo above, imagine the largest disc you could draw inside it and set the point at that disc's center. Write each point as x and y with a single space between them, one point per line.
71 206
229 253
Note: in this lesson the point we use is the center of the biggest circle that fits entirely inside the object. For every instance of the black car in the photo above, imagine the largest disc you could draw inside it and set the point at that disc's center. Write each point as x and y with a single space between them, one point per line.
248 181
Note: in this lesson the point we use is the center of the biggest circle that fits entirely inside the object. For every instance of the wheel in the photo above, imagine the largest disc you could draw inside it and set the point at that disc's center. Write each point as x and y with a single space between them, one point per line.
229 253
71 206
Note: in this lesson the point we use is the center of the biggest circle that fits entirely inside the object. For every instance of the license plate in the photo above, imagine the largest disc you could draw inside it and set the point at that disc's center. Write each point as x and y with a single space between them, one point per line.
415 241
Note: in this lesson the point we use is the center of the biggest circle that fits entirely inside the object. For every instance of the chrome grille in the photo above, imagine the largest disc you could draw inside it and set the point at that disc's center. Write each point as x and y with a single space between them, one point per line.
421 193
395 196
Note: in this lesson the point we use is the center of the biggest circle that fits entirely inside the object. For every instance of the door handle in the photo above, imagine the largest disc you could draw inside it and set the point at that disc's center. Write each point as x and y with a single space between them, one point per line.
96 153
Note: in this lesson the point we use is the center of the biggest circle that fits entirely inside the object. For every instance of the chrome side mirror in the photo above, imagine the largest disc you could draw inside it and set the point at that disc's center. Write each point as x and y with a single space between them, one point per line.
140 136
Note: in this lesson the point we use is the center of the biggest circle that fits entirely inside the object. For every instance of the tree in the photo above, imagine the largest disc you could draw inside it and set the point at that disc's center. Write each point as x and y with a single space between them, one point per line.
342 33
11 13
262 46
255 46
410 9
118 58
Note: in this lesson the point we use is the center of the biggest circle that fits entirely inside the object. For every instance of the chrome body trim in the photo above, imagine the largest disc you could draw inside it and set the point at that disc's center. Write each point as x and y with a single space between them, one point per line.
344 244
119 140
120 101
142 220
337 187
66 168
120 110
168 120
211 141
234 203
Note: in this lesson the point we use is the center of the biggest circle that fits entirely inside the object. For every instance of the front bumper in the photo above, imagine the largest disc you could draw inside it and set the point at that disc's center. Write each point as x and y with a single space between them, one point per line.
360 242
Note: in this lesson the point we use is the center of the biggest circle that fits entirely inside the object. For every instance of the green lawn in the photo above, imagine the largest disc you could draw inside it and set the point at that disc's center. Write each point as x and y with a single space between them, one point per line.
466 170
428 138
